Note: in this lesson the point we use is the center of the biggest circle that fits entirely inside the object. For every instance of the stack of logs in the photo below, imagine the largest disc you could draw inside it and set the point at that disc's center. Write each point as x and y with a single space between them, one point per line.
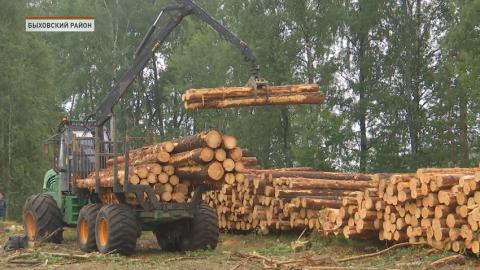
436 205
440 206
282 199
171 167
226 97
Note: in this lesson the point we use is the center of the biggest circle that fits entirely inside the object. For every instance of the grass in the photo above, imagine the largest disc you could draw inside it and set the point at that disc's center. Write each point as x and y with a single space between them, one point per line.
148 255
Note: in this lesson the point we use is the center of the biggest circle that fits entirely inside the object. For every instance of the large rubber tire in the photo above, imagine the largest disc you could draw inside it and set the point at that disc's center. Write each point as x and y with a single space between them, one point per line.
116 229
41 218
86 227
204 231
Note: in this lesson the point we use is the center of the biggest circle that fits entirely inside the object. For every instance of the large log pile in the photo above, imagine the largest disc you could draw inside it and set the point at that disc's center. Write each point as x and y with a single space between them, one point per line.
171 167
227 97
435 205
439 206
282 199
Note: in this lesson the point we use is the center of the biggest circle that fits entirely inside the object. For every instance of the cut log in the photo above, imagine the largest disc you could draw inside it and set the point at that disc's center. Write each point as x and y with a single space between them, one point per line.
193 157
154 168
229 142
320 203
173 180
239 167
306 183
316 175
221 154
446 181
178 197
235 154
212 139
162 178
152 178
213 171
166 196
147 150
169 169
285 99
226 92
141 171
229 165
249 161
292 193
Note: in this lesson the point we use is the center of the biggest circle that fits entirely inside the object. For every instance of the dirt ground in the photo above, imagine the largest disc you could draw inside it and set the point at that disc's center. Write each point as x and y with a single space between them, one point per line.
233 252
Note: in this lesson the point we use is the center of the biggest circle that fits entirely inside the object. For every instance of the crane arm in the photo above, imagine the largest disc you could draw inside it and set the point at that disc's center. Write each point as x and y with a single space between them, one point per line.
154 39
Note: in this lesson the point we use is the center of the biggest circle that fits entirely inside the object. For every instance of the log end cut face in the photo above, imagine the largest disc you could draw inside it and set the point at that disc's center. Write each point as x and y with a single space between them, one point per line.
215 171
213 139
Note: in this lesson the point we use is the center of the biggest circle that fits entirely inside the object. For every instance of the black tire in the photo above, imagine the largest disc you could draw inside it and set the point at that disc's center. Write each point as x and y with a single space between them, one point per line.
86 227
204 231
116 229
41 218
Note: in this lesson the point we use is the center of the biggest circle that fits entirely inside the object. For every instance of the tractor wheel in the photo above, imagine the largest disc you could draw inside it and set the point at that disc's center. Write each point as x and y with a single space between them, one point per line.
42 218
204 231
116 229
86 227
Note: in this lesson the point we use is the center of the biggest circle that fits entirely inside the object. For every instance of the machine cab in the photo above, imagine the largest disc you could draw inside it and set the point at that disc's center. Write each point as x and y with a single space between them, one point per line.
73 154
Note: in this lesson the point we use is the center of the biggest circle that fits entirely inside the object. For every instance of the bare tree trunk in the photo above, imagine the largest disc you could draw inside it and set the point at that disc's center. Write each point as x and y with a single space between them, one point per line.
157 98
362 104
463 123
285 137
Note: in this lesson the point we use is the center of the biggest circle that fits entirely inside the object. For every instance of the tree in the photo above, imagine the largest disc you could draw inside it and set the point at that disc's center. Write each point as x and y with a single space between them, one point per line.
28 107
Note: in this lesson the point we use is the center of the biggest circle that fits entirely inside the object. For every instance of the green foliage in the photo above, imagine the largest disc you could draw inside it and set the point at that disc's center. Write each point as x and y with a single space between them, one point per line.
28 109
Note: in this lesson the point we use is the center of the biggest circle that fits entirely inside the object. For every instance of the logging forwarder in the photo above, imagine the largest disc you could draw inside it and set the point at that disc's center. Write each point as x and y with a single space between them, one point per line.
83 147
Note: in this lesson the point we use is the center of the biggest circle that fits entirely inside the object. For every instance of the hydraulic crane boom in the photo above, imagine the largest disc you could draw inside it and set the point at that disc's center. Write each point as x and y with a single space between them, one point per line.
154 39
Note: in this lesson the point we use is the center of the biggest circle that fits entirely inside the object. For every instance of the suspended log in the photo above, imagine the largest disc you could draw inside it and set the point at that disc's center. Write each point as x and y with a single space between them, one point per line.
285 99
223 92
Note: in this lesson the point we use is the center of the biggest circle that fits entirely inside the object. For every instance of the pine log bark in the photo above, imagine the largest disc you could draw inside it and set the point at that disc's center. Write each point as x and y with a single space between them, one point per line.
226 92
320 203
151 150
286 193
213 171
317 175
307 183
235 154
286 99
212 139
249 161
194 157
